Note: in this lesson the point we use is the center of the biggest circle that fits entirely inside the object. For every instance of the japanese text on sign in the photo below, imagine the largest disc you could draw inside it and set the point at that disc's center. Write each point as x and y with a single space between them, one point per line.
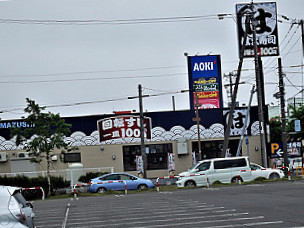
123 127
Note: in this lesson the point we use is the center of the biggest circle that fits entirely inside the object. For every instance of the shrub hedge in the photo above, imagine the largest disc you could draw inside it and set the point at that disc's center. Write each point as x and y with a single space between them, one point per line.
27 182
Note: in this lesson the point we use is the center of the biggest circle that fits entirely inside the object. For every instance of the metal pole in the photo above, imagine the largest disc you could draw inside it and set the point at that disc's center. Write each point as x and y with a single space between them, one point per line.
246 120
233 100
282 99
142 131
173 103
302 29
198 127
230 80
259 92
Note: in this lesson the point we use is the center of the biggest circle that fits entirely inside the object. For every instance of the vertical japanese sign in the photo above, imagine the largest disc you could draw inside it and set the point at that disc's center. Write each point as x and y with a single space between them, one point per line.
171 162
139 165
122 127
205 81
238 121
265 15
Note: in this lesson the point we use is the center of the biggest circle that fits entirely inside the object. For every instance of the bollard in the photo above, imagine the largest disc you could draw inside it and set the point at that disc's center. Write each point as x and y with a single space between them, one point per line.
239 179
208 183
74 189
157 185
126 190
289 178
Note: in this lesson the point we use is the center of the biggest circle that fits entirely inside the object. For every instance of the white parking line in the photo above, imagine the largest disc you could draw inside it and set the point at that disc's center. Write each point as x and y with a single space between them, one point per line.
66 216
246 224
201 222
169 221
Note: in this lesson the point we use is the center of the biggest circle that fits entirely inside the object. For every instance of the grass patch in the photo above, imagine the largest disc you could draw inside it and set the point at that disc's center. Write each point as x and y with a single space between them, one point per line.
164 188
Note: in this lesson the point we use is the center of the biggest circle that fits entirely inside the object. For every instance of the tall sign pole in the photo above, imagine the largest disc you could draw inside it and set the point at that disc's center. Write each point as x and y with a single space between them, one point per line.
261 41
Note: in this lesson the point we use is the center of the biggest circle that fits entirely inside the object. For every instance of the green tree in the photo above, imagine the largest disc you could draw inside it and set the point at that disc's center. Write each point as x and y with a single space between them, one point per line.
275 126
296 113
47 134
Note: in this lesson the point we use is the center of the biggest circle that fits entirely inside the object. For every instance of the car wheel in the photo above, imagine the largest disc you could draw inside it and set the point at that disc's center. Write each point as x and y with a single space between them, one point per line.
142 187
235 180
190 184
274 176
101 190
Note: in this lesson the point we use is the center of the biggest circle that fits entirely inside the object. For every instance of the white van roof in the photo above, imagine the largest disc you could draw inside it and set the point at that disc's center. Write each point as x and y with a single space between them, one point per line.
220 159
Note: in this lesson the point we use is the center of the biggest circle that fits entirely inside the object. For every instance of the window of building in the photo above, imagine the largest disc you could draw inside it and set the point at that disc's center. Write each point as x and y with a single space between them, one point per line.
157 156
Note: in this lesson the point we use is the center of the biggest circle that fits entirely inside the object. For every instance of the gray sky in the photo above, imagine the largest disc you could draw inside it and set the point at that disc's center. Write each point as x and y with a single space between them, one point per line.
52 58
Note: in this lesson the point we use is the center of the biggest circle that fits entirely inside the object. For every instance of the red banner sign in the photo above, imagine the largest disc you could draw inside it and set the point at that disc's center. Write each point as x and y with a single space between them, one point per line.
122 127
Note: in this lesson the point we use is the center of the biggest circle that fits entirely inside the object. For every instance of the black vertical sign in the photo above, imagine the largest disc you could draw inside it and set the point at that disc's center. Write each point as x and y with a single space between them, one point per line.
265 15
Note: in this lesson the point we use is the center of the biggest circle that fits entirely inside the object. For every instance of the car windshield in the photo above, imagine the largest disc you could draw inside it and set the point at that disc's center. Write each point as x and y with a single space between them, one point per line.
200 166
255 167
193 167
203 166
111 177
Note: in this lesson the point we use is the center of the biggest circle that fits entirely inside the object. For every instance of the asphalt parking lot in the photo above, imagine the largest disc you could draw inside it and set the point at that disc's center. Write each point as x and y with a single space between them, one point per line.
278 204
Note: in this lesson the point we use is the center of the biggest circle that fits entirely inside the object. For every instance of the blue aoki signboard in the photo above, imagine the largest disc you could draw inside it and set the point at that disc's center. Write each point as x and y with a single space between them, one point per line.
205 81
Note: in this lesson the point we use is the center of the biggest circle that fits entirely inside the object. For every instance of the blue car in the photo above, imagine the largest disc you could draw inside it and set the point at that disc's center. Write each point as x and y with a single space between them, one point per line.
117 181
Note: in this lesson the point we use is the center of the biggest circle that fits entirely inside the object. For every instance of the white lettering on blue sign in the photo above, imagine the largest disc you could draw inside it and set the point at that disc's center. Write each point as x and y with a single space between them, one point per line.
203 66
14 124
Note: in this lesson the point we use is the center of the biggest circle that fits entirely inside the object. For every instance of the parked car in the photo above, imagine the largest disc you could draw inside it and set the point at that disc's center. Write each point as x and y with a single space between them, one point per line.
225 170
294 163
269 173
116 181
15 211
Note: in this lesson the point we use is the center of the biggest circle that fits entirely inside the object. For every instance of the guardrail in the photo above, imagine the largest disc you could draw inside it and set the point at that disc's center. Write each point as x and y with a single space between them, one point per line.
170 177
35 188
197 174
102 182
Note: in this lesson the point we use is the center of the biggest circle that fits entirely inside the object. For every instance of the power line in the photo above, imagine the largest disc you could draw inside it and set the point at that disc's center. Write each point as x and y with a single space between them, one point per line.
94 102
109 22
90 72
92 79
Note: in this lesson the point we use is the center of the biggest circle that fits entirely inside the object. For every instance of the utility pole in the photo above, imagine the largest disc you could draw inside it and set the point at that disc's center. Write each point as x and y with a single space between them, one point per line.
283 117
245 125
142 131
230 90
197 119
302 29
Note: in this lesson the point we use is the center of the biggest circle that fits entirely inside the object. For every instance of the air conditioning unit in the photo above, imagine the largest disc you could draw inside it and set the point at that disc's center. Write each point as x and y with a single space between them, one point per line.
23 155
3 156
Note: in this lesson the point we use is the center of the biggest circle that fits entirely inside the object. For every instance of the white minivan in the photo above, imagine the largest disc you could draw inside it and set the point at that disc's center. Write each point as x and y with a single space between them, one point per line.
225 170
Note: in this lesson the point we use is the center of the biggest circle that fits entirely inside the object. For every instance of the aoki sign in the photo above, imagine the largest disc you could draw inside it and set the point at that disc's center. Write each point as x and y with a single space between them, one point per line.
122 127
205 81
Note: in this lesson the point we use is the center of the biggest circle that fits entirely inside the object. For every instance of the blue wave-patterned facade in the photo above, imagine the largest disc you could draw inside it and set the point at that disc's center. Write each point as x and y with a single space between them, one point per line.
166 126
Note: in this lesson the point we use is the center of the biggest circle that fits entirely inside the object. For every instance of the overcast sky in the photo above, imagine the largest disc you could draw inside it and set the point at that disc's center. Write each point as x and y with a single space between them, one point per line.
80 57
